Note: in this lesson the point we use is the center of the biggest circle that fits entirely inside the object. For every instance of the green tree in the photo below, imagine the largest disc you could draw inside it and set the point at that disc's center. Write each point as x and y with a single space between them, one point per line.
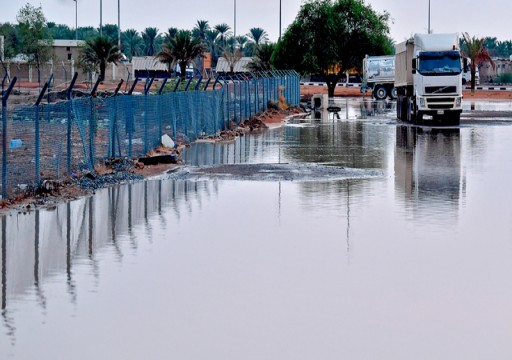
223 31
110 30
475 50
211 43
87 32
329 37
11 42
132 43
59 31
98 52
149 35
170 34
32 29
200 29
242 43
257 35
262 59
181 50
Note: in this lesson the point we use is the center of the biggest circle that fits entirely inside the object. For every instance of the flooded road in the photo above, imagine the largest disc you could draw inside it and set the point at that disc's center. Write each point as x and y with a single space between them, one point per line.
413 260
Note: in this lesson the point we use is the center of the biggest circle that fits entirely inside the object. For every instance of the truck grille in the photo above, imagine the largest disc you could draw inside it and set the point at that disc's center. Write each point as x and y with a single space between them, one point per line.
440 103
440 89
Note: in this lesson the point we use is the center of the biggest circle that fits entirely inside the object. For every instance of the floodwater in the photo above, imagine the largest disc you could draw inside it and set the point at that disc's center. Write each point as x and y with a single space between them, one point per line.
412 262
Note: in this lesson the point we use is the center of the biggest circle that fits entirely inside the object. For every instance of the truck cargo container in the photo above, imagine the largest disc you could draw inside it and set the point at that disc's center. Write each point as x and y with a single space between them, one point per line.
428 79
379 76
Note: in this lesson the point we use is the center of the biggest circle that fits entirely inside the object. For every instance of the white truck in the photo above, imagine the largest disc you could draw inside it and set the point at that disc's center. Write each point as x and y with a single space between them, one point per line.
379 76
428 79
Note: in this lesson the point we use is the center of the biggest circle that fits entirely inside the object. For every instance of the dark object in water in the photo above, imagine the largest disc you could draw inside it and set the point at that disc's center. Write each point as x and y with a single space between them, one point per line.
159 159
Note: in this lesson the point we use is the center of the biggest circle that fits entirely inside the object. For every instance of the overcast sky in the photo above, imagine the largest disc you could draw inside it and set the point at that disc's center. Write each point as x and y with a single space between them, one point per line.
490 18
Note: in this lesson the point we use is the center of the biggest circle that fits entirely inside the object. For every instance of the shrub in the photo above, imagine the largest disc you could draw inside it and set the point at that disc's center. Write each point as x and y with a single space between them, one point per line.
505 78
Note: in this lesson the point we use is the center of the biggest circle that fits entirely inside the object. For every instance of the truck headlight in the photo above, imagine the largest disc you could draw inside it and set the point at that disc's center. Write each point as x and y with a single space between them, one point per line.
458 102
422 102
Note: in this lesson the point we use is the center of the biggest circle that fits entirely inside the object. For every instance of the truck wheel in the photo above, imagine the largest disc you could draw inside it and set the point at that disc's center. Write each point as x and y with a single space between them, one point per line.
399 108
403 108
392 93
380 93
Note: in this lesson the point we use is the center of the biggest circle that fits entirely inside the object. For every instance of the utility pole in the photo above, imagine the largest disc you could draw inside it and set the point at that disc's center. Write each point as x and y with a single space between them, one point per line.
234 28
280 26
119 24
76 19
429 31
101 17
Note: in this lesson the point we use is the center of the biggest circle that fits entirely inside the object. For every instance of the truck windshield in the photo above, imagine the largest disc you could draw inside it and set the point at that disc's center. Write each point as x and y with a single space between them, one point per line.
439 63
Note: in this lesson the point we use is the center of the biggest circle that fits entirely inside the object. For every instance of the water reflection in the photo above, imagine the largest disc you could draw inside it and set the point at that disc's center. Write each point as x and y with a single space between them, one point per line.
372 108
428 167
347 108
39 246
166 268
487 105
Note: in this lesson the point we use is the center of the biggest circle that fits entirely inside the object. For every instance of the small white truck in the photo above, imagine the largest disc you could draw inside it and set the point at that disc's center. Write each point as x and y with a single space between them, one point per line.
428 79
379 76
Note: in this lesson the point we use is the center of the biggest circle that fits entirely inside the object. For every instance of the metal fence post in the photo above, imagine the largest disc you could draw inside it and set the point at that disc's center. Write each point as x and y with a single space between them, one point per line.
69 122
37 134
256 96
92 125
129 120
160 111
113 129
5 96
146 117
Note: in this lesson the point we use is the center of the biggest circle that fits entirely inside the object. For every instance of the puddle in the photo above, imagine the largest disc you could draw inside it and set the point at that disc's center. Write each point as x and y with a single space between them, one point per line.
349 232
273 172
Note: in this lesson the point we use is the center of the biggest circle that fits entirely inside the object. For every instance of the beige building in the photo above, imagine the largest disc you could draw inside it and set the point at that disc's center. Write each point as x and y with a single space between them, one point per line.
62 66
488 74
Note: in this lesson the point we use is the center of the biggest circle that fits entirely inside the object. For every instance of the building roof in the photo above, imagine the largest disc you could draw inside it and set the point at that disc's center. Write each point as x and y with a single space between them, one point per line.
240 65
66 43
147 63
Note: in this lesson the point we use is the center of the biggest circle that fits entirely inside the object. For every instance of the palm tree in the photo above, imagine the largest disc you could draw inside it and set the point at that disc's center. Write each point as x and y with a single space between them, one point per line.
100 51
200 29
477 53
242 40
232 56
223 30
149 36
170 34
262 59
132 43
166 56
181 50
110 30
257 35
211 38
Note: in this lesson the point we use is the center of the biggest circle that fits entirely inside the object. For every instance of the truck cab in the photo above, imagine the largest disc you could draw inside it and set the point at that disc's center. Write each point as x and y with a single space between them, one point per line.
429 79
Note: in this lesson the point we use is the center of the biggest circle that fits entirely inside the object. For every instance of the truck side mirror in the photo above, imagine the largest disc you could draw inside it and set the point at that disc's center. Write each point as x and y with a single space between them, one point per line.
465 64
414 66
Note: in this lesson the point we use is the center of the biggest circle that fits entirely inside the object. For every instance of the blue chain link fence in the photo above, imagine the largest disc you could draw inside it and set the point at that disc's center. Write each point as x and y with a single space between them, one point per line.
54 141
